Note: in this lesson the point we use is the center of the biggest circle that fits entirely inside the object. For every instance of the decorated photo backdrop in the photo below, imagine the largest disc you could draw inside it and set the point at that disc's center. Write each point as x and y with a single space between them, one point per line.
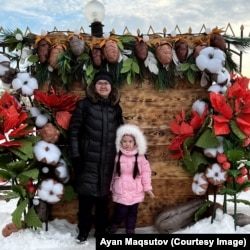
158 75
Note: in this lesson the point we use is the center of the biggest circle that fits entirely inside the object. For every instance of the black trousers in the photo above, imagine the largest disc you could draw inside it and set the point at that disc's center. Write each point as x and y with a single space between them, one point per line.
127 213
86 218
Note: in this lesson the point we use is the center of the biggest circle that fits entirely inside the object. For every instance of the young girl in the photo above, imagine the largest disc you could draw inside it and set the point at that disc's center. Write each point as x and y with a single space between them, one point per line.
131 177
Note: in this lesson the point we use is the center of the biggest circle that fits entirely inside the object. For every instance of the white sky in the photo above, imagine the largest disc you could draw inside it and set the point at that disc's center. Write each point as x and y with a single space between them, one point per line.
133 14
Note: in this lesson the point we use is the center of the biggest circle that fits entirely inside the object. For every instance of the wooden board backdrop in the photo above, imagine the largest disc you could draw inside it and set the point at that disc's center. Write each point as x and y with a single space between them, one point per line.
152 110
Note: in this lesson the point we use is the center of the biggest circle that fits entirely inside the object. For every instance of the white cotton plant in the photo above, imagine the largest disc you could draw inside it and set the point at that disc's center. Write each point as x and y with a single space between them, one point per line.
47 153
211 59
25 83
41 119
199 106
62 171
50 191
217 88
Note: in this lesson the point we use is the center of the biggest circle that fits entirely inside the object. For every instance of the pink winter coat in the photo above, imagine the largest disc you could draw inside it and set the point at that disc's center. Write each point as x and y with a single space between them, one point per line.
125 189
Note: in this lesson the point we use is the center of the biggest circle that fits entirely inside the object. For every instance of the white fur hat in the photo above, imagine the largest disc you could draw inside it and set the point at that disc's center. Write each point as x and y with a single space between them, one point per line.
130 129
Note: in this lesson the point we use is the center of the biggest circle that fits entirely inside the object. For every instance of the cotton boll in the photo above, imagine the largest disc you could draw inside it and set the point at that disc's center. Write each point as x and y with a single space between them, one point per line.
17 83
50 191
215 65
36 202
199 184
34 111
210 59
208 30
210 152
106 35
173 33
25 83
199 106
41 120
27 90
145 38
45 170
62 171
223 76
47 152
216 88
19 37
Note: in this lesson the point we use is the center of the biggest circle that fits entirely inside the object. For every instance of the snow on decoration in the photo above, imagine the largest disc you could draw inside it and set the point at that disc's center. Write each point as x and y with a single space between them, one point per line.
50 191
25 83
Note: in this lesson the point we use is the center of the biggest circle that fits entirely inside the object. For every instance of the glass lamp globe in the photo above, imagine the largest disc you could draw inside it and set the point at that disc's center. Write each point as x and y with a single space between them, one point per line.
94 11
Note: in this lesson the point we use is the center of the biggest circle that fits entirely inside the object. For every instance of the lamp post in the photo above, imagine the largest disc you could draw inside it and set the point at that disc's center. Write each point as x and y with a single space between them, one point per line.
94 12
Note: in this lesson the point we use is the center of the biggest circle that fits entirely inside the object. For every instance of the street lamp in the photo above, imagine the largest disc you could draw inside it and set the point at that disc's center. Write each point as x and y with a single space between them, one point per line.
94 12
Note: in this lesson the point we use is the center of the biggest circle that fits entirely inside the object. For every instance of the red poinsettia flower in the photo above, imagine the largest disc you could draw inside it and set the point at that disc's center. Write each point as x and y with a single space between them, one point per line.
184 128
60 104
234 105
12 121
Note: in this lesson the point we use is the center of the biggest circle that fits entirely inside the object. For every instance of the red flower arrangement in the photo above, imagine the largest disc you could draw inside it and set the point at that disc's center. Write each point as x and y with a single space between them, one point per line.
23 160
212 140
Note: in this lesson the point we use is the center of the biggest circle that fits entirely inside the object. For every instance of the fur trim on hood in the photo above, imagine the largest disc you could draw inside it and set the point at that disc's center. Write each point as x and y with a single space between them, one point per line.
130 129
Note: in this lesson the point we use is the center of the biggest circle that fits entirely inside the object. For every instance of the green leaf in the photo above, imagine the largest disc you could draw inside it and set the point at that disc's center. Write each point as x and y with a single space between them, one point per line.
19 190
125 69
207 140
190 76
16 167
194 68
246 202
135 67
235 155
202 210
5 174
32 219
17 214
84 56
193 162
127 63
89 70
129 78
19 46
236 130
31 174
184 67
33 58
12 40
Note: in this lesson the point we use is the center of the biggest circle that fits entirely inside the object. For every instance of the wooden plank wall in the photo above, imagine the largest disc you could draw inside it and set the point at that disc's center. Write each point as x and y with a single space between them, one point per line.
152 110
